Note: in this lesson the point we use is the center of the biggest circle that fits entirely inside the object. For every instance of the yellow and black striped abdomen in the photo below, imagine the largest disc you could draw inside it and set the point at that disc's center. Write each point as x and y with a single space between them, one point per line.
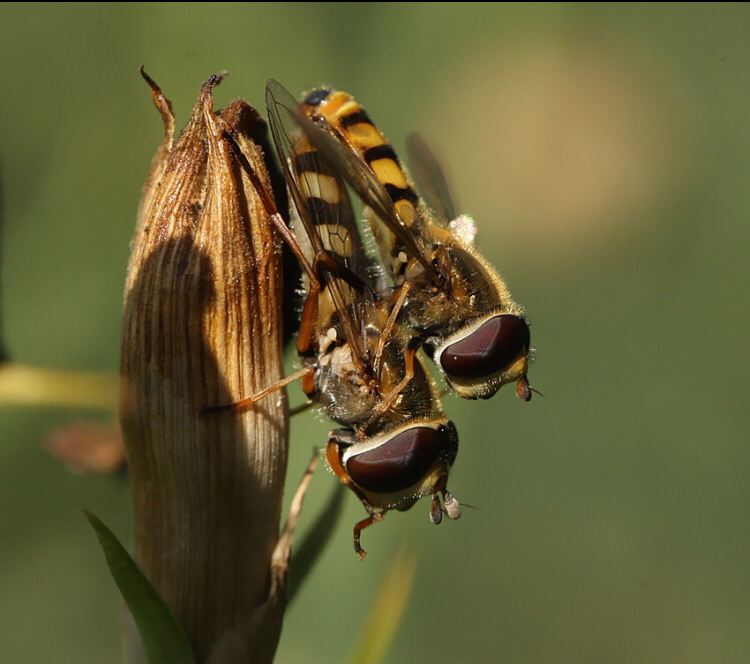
351 124
327 204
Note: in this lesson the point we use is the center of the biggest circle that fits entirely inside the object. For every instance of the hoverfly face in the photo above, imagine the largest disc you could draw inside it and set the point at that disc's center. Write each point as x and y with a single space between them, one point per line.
488 352
365 373
396 468
456 302
492 346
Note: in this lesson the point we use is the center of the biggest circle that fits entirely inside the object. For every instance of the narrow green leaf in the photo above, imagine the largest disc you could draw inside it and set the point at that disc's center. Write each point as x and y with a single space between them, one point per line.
387 609
311 546
164 641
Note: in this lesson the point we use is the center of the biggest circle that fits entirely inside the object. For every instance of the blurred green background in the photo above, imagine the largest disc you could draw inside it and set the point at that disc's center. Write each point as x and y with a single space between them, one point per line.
604 151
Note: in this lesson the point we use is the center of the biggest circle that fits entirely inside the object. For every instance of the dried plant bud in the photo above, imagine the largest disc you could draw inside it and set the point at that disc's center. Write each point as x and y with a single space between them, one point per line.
202 328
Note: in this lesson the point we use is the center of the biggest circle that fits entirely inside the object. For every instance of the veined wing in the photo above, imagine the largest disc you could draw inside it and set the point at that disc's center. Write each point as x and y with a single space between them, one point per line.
324 209
430 178
403 221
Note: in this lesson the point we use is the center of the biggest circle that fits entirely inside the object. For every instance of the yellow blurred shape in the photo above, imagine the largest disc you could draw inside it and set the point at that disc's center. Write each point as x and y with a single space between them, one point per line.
387 609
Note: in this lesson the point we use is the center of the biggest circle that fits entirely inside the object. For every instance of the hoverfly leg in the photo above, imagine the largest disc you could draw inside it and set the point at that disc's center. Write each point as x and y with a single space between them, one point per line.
269 205
244 403
308 319
333 267
409 353
375 517
403 291
282 550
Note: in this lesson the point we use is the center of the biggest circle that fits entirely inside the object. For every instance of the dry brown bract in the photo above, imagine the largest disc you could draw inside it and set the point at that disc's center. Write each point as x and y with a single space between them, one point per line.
202 327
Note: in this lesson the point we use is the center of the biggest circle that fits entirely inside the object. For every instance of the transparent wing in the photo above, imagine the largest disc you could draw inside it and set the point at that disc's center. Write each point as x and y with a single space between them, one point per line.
430 178
319 195
365 184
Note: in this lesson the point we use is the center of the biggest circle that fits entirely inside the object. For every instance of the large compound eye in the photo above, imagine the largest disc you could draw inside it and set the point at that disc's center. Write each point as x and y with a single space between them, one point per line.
490 348
404 459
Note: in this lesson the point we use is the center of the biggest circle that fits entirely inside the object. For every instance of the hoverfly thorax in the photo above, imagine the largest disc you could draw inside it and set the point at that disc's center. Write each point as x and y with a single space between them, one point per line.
456 303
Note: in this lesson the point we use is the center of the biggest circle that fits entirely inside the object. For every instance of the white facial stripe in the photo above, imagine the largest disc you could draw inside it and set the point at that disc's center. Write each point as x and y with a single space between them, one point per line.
385 438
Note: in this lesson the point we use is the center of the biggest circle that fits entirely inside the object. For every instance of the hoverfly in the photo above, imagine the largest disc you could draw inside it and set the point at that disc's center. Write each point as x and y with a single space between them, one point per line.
359 363
455 300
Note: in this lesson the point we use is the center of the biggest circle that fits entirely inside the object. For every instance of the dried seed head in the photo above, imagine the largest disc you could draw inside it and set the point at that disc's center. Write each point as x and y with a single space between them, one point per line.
202 327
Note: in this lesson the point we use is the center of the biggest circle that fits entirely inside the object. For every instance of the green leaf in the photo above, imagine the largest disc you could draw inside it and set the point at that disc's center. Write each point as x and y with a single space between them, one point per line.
387 609
164 641
311 546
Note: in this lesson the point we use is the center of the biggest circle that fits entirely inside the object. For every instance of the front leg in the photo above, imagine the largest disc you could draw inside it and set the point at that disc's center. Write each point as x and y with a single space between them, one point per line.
374 517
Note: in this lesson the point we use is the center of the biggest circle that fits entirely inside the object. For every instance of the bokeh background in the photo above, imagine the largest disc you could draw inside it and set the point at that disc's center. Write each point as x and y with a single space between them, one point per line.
604 151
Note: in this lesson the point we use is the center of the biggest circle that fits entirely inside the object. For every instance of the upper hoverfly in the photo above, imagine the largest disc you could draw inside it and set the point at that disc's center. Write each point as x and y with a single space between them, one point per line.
359 363
455 300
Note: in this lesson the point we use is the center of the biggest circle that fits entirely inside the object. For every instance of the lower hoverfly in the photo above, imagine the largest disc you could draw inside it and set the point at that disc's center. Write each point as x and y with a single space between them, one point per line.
359 364
455 300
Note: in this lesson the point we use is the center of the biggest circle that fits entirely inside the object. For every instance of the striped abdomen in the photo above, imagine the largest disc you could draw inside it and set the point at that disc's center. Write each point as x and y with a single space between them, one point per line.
349 122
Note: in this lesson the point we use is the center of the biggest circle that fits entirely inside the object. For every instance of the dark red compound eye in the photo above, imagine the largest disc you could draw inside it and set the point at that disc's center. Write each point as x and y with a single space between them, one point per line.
493 346
403 460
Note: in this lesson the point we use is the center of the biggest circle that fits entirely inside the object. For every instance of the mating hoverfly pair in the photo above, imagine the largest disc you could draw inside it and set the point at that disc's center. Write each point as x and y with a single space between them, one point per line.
365 319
